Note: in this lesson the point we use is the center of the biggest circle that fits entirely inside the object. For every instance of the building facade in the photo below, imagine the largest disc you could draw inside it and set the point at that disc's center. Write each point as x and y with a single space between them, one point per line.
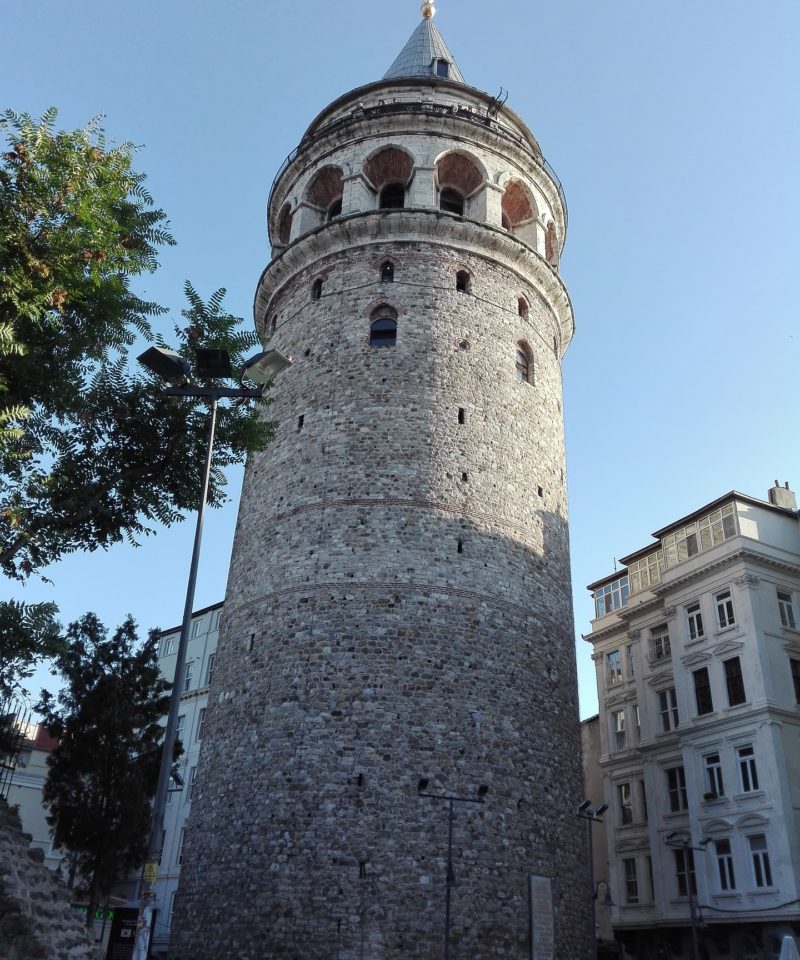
398 606
25 792
697 646
198 674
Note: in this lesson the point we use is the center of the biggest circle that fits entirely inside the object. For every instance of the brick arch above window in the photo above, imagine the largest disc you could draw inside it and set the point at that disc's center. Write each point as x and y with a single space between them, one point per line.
518 204
389 165
461 172
326 187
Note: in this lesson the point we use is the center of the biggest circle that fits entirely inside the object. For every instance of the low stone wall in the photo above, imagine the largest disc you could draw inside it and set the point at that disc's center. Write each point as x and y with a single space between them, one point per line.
36 919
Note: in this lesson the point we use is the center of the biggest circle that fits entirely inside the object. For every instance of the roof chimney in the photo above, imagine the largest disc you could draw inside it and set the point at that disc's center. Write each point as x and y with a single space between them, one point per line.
782 496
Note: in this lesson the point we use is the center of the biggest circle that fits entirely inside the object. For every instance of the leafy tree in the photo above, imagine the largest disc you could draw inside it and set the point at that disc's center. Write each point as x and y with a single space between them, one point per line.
91 453
28 632
104 770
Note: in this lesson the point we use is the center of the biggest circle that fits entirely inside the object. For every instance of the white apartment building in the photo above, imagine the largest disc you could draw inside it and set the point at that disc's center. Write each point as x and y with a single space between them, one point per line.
197 676
697 648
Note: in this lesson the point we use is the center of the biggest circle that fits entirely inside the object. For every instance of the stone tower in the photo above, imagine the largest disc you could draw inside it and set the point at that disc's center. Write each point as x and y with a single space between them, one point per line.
398 605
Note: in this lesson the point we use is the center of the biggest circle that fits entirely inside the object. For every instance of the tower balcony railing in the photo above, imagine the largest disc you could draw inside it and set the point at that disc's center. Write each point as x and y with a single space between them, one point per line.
480 118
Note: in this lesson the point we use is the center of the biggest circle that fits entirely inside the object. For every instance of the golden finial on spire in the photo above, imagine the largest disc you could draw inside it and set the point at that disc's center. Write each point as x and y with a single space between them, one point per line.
428 10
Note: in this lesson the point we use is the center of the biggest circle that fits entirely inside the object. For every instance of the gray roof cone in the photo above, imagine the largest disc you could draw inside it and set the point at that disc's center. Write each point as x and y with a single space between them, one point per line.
418 57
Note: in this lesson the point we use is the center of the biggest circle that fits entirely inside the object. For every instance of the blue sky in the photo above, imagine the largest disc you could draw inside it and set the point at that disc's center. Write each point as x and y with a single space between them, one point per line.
673 128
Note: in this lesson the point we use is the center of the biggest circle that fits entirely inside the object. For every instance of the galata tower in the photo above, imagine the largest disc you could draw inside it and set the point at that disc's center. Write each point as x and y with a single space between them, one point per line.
398 607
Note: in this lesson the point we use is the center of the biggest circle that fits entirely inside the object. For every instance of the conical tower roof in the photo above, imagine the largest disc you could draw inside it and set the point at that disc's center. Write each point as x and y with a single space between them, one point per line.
419 56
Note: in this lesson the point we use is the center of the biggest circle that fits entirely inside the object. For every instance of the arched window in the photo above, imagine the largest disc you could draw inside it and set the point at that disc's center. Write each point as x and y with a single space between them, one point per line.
524 362
462 281
451 201
393 197
523 308
335 209
383 332
387 272
285 224
316 289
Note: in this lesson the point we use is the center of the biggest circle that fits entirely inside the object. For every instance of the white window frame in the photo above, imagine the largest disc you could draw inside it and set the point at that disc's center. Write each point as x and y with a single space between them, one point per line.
179 852
618 729
180 727
168 647
196 628
678 792
715 784
613 673
630 875
214 620
786 609
201 722
759 853
668 709
660 643
694 621
748 769
212 657
192 781
188 675
723 606
725 872
625 803
637 723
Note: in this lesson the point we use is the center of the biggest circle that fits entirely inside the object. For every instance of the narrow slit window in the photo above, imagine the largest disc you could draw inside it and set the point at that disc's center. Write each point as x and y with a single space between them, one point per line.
524 363
461 415
523 308
316 289
460 546
300 422
387 272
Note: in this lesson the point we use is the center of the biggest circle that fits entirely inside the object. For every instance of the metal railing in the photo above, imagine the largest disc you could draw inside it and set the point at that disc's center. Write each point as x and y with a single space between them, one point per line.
15 726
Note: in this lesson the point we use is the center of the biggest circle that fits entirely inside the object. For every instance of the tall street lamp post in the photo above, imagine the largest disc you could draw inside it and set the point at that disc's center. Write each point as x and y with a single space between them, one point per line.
211 364
683 843
591 816
451 800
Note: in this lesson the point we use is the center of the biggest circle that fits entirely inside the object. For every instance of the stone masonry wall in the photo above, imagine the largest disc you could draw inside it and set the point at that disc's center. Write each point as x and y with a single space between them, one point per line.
36 919
398 607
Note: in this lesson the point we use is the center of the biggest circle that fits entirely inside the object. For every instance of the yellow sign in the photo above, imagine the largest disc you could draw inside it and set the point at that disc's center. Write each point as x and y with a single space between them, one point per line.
149 872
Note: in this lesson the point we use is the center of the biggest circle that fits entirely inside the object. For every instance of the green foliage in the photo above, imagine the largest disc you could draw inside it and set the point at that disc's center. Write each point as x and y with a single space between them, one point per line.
28 633
90 452
104 770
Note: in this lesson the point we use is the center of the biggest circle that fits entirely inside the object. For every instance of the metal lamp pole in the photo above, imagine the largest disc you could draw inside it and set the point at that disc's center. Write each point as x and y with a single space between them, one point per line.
451 877
591 816
260 368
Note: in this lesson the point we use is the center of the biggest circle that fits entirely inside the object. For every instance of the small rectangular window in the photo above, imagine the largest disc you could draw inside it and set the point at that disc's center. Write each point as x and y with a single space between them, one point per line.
734 681
684 872
614 666
786 609
727 878
714 784
201 722
442 68
702 691
676 779
625 799
668 708
180 727
694 619
618 724
660 647
631 880
676 787
724 606
795 668
761 868
197 627
748 773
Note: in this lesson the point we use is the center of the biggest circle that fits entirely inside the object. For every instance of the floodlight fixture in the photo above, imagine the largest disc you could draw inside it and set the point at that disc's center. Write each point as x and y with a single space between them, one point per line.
265 366
168 364
599 811
584 805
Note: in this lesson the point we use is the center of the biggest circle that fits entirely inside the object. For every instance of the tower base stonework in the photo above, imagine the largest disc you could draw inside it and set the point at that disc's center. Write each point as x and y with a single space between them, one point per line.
399 601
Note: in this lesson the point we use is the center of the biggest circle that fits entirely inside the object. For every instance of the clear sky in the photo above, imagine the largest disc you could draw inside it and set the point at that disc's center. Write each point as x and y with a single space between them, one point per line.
673 128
